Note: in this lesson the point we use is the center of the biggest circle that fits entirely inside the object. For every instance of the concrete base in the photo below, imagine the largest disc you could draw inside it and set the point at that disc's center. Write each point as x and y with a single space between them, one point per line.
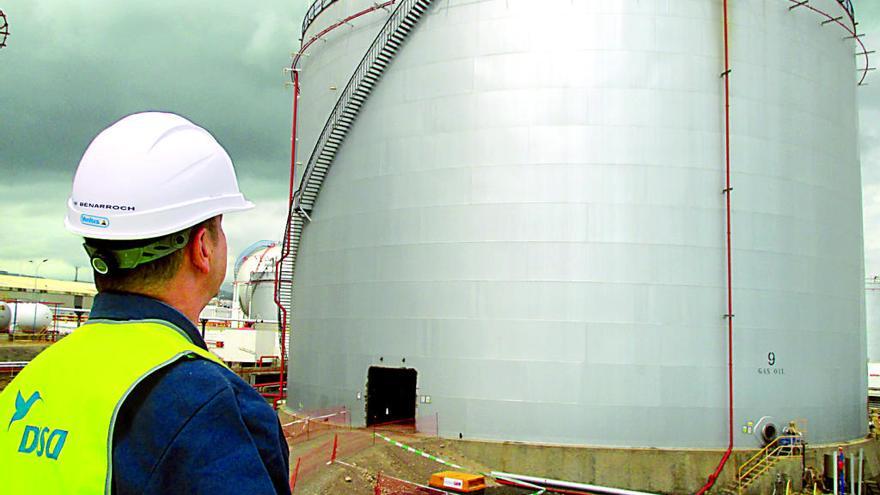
651 470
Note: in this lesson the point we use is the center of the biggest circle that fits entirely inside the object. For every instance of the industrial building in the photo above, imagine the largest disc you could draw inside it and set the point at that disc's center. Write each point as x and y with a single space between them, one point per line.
62 293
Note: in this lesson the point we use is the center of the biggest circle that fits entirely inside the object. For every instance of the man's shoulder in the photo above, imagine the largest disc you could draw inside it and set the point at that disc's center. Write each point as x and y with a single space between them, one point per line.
192 414
170 397
184 387
171 401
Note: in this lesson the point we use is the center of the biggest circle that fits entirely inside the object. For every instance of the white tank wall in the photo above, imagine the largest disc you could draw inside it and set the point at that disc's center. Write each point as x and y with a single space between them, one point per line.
329 73
258 296
255 280
528 211
872 308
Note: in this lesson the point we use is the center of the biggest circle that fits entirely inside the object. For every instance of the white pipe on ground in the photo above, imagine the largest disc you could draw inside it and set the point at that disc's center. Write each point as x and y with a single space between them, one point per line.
520 483
852 474
835 474
861 462
566 484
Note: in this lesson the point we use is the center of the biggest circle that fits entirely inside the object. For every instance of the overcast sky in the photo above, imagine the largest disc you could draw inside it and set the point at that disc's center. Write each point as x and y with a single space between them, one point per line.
70 68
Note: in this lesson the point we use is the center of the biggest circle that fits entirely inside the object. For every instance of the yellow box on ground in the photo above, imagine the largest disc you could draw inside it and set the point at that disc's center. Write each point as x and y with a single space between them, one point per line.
458 482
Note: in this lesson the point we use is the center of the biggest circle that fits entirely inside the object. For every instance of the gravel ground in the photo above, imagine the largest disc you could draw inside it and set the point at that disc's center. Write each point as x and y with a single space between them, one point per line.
358 475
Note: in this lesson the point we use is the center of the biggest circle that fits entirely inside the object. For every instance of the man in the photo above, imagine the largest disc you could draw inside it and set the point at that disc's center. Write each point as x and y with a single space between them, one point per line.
132 401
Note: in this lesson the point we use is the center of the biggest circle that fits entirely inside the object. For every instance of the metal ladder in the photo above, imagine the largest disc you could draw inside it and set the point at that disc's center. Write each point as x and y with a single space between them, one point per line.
367 74
764 460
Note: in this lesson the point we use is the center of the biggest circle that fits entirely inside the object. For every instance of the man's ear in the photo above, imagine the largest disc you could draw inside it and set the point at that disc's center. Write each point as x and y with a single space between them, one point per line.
201 250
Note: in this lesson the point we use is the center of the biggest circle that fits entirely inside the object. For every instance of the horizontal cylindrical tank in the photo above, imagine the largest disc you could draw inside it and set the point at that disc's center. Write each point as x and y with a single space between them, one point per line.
5 316
29 317
529 211
255 278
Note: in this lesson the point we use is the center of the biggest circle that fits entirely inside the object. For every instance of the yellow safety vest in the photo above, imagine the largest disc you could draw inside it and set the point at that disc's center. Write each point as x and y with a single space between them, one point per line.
57 415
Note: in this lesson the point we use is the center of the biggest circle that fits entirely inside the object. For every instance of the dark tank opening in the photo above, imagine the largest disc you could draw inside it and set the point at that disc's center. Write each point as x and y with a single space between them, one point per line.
769 433
391 395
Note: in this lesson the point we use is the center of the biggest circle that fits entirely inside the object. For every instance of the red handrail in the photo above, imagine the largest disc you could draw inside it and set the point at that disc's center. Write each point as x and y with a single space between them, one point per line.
852 32
320 34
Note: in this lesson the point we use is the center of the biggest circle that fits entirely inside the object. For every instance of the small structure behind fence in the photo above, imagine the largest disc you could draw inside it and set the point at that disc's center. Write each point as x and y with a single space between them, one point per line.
313 423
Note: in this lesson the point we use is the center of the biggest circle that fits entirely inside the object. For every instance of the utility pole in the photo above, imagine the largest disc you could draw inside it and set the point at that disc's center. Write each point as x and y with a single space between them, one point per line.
36 276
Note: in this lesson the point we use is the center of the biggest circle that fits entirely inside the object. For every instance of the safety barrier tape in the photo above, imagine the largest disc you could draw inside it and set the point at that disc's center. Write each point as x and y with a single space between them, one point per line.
419 452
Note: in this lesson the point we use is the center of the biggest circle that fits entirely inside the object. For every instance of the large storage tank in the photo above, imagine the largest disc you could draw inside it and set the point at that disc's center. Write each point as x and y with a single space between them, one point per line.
255 280
528 213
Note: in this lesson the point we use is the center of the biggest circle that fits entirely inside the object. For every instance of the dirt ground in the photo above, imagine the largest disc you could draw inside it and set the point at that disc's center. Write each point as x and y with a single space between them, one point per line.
356 473
20 350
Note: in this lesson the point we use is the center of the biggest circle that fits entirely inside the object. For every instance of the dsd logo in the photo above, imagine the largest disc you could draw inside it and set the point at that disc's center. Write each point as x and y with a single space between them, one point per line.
40 441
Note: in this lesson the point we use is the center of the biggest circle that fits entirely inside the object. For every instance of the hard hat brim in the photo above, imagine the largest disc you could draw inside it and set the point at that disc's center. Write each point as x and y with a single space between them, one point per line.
95 224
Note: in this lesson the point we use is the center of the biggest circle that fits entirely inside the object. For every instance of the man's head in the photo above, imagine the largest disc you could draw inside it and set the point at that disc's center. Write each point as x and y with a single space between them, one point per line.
148 197
201 251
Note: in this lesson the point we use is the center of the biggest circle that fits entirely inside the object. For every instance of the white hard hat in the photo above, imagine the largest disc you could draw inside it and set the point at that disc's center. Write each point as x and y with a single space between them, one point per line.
151 174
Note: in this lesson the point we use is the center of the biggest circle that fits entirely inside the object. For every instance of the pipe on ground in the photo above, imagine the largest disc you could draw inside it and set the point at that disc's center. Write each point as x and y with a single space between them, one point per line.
566 484
835 474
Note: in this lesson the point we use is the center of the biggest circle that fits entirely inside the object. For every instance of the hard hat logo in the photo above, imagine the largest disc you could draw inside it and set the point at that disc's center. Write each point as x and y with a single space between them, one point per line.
85 204
93 221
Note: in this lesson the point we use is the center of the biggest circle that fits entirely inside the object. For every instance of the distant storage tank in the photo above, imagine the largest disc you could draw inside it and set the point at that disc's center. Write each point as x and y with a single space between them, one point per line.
255 278
5 317
29 317
523 231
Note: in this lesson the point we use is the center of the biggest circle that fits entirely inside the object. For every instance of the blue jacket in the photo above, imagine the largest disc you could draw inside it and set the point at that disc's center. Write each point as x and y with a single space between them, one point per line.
192 427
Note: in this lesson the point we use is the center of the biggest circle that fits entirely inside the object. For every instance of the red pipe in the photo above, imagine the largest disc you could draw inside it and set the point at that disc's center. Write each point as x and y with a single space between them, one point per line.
285 251
727 190
278 264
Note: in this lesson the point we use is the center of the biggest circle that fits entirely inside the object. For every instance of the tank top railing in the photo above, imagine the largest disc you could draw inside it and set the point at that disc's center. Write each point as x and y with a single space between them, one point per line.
847 4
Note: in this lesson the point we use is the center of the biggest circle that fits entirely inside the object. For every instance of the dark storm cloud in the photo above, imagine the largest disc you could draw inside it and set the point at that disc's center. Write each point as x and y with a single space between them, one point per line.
72 68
